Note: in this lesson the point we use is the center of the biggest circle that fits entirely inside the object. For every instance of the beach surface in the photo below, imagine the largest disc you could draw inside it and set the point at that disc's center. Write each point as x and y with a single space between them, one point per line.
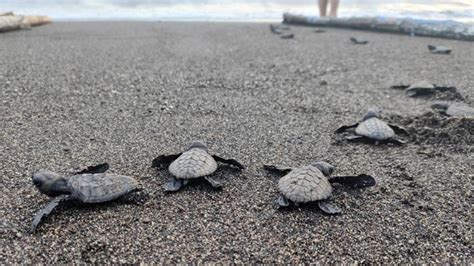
81 93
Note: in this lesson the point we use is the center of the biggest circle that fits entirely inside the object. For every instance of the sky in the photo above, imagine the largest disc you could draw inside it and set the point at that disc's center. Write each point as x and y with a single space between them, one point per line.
235 10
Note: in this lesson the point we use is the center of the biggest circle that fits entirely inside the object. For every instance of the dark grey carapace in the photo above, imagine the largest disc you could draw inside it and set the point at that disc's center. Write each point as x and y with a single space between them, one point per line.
372 129
195 162
91 185
453 109
312 183
423 88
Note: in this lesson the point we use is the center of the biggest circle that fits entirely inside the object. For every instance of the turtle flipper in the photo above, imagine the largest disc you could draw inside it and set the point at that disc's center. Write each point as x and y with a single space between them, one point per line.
359 181
445 89
400 87
228 161
282 201
356 138
396 141
94 169
164 160
277 170
398 129
173 185
344 128
214 183
328 208
138 196
45 211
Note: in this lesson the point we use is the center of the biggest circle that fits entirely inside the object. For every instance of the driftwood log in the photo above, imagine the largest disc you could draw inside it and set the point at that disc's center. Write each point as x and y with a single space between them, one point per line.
414 27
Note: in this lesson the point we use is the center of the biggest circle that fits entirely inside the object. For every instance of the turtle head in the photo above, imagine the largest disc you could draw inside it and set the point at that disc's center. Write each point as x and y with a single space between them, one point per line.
199 144
371 112
50 183
325 168
441 106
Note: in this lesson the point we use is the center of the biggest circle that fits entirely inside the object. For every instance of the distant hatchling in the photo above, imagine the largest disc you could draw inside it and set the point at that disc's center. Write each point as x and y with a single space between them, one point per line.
453 109
423 88
312 183
439 49
195 162
88 186
372 129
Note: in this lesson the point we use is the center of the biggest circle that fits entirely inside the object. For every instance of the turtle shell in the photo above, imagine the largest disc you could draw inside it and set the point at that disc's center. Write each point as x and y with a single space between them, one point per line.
193 163
305 184
459 110
418 88
374 128
94 188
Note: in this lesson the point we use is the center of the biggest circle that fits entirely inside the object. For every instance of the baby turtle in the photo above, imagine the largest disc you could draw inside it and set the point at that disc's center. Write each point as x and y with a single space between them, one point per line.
454 109
194 162
438 49
423 88
92 186
313 183
373 130
356 40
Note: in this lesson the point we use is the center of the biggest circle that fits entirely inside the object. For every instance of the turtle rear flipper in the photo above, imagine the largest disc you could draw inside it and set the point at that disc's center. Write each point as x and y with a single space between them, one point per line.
398 129
214 183
94 169
446 88
277 170
45 211
228 161
282 202
138 196
328 208
396 141
344 128
173 185
359 181
164 160
362 139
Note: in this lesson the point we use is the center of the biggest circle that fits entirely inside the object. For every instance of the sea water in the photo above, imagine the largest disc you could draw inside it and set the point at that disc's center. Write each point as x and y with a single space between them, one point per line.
236 10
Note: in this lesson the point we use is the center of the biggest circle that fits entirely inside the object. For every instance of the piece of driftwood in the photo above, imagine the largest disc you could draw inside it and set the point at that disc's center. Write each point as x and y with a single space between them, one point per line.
417 27
9 21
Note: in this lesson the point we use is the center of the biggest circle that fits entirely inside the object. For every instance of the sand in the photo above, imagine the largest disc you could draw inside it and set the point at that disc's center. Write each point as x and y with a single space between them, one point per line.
76 94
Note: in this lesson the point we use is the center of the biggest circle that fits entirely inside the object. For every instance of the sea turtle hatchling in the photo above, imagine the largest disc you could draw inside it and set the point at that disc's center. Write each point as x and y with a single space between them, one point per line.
194 162
357 40
313 183
453 109
91 186
373 130
423 88
438 49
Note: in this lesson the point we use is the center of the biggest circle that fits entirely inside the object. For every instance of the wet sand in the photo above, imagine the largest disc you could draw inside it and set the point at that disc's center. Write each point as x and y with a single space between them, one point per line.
83 93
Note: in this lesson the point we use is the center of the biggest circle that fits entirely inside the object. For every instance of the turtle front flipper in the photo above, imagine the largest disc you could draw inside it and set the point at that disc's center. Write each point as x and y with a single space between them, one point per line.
94 169
173 185
45 211
398 129
445 89
359 181
228 161
277 170
214 183
344 128
328 208
282 202
164 160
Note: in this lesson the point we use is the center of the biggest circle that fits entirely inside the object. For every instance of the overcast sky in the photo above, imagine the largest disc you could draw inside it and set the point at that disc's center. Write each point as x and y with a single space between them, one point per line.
234 9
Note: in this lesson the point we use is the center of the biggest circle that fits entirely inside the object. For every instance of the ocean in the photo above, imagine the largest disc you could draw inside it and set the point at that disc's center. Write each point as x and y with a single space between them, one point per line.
235 10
